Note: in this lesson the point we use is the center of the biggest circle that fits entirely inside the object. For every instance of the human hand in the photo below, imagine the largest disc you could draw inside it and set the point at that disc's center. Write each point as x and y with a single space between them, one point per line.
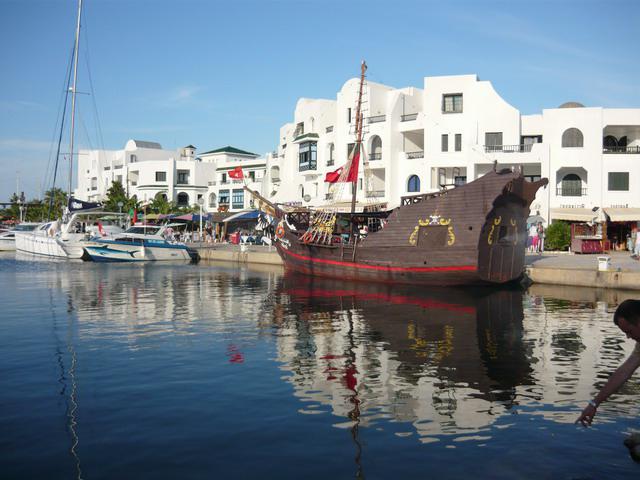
586 417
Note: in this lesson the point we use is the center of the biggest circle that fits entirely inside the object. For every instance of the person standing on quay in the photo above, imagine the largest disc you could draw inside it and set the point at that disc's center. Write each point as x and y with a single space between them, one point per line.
540 238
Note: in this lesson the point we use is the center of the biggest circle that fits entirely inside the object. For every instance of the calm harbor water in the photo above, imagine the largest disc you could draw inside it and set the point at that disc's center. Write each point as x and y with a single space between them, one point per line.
217 371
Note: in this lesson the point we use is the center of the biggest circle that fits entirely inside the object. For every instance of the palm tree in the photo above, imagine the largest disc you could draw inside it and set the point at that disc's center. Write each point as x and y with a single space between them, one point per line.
56 201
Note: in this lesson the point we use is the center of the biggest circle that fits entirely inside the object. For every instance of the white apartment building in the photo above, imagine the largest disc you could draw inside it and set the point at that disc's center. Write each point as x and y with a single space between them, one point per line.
146 170
451 132
225 193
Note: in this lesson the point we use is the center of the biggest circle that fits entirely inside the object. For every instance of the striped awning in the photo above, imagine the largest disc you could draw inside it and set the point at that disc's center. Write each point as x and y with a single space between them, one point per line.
574 214
623 214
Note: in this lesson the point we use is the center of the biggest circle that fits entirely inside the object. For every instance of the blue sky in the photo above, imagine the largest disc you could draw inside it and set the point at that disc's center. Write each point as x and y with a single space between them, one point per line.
214 73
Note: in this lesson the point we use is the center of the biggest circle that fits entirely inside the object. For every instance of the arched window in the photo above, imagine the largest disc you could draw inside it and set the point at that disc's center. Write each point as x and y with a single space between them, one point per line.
161 195
571 185
183 199
413 185
376 148
275 174
572 137
330 154
212 199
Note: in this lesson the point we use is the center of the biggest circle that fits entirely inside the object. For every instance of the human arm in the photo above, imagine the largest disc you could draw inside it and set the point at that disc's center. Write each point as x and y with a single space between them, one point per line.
615 381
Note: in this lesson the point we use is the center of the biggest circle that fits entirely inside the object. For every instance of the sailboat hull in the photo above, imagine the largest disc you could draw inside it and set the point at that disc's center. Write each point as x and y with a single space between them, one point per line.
39 242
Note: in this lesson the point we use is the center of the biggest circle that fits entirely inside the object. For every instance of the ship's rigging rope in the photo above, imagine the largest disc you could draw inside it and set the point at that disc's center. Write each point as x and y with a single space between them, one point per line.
323 221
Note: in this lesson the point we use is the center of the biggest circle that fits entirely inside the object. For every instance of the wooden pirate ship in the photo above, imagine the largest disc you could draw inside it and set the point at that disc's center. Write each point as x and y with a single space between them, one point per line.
471 234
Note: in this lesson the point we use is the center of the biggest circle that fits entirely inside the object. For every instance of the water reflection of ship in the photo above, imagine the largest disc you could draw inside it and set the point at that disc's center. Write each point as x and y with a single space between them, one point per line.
445 360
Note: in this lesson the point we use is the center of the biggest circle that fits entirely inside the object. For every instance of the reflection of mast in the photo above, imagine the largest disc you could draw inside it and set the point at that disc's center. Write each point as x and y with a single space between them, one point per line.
71 400
350 382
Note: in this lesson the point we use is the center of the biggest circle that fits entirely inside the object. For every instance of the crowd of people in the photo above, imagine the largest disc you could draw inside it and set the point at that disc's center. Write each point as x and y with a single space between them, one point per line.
535 240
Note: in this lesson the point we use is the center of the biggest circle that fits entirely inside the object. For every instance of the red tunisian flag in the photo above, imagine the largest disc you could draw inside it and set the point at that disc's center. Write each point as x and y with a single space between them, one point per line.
352 176
333 177
135 216
236 173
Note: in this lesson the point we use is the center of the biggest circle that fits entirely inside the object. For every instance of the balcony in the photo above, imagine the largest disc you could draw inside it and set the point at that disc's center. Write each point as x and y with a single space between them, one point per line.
412 155
374 194
375 156
408 117
212 184
621 150
330 163
508 148
570 191
305 137
303 167
376 119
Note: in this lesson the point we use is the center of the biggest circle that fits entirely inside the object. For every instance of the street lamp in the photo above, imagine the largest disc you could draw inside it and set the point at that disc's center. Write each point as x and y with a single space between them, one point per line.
201 202
120 204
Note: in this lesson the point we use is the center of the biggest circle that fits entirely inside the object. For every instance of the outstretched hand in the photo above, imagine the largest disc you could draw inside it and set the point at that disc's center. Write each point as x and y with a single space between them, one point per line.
586 417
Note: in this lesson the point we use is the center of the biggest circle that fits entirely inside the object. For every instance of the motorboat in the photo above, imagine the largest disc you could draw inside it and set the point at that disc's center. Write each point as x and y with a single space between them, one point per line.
8 238
140 243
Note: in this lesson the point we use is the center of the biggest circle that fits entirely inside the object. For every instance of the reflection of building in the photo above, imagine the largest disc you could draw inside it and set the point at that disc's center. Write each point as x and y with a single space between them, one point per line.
449 133
446 361
136 303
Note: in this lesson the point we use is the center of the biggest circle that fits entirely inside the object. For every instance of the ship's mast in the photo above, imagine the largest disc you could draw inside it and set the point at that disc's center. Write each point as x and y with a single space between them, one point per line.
357 146
73 97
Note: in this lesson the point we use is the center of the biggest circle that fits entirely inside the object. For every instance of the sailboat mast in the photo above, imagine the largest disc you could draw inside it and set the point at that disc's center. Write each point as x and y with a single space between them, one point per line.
73 97
357 146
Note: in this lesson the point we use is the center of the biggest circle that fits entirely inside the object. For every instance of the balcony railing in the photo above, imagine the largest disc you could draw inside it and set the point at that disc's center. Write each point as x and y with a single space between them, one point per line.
571 191
211 184
508 148
303 167
411 155
376 119
375 156
621 150
408 117
330 162
374 193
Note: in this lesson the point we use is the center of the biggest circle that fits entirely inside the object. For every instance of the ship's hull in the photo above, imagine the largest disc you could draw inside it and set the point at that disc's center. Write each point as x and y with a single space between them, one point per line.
308 262
474 234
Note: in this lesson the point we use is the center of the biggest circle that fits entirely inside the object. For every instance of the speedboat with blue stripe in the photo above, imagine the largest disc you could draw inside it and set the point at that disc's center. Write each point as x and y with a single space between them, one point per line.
139 244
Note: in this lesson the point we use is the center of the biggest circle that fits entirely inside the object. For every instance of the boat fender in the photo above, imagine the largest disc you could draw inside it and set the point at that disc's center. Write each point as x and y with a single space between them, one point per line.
280 231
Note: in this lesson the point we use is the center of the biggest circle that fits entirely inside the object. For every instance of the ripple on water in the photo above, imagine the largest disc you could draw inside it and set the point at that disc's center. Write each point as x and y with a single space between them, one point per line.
227 369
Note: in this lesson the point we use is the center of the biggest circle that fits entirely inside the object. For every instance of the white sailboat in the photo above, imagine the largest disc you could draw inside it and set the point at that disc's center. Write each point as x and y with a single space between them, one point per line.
65 238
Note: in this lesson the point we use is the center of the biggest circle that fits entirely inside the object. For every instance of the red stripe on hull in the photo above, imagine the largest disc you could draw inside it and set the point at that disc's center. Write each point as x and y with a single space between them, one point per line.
462 268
